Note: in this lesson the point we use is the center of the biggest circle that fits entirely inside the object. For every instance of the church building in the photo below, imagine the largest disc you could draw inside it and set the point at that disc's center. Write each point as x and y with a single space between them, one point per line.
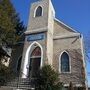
50 41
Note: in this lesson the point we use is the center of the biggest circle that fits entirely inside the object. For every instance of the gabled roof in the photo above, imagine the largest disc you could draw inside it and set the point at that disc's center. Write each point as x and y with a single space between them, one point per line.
66 26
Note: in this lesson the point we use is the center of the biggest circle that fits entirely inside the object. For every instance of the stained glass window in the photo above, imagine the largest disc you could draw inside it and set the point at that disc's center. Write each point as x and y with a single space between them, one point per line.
38 11
36 52
65 63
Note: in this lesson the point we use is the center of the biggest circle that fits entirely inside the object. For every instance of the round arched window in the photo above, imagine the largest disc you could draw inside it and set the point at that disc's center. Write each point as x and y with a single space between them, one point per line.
65 67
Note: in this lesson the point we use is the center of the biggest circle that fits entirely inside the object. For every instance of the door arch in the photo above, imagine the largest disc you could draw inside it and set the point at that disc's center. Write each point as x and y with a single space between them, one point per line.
35 61
25 70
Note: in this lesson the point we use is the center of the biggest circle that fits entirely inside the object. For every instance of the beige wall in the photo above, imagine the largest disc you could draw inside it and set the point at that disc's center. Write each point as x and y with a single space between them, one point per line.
61 29
72 45
28 43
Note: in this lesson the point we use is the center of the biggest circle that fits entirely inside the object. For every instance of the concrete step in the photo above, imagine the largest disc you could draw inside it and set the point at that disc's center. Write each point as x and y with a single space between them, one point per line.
21 83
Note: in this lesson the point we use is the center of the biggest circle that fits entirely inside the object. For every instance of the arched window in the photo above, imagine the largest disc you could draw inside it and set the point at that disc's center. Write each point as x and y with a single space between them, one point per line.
36 52
38 12
35 61
65 67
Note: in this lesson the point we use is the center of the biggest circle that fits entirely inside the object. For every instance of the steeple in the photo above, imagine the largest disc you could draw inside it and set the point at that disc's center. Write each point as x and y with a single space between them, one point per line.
41 14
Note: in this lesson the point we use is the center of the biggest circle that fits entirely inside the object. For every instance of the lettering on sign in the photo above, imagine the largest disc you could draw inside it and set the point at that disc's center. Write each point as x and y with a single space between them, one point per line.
34 37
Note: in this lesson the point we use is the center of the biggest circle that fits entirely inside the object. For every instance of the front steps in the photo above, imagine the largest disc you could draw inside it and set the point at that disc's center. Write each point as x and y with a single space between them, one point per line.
21 84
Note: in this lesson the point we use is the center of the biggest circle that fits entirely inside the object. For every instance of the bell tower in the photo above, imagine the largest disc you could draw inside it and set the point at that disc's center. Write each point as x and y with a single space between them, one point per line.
39 34
41 16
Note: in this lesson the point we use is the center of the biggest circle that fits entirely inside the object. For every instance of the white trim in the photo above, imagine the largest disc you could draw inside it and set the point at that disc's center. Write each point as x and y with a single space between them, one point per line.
67 36
26 62
53 10
84 63
36 10
66 85
60 62
76 85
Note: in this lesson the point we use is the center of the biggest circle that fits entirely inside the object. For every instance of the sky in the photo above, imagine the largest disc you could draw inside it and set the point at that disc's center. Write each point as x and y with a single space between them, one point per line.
75 13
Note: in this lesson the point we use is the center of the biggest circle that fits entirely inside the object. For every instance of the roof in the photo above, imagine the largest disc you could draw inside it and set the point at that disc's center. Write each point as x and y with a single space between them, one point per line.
66 26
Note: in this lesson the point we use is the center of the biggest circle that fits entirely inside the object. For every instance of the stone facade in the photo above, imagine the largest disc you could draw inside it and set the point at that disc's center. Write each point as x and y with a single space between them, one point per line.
54 38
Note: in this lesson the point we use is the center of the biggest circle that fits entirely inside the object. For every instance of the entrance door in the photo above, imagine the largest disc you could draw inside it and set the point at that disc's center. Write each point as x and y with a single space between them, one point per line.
35 61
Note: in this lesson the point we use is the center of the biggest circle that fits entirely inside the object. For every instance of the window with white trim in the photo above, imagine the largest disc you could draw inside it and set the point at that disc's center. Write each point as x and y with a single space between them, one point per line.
38 12
65 67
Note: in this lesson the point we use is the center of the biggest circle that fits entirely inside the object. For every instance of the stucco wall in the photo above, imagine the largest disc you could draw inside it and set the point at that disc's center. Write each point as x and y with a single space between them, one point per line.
38 22
73 46
27 45
61 29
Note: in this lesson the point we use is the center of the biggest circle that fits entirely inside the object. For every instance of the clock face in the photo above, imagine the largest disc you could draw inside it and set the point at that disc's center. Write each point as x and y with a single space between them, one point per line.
35 37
